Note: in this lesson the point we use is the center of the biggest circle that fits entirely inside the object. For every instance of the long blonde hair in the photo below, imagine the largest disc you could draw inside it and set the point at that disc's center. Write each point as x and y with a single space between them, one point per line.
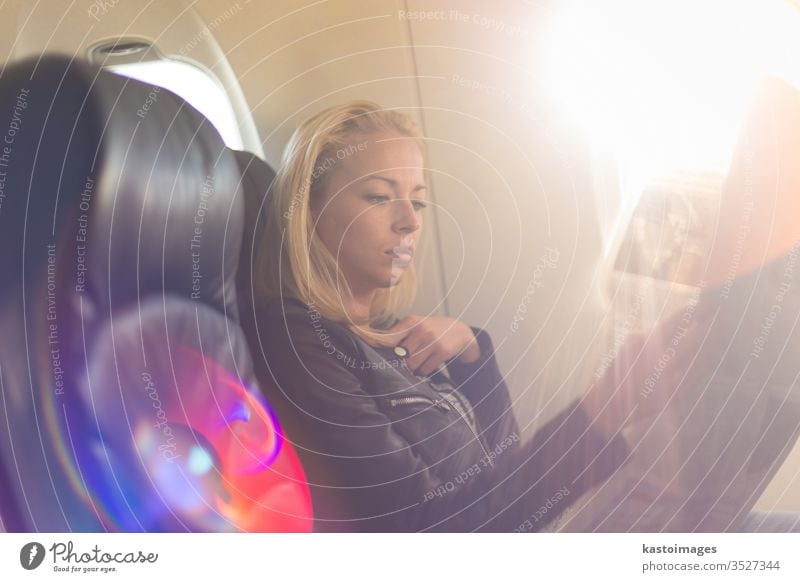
292 261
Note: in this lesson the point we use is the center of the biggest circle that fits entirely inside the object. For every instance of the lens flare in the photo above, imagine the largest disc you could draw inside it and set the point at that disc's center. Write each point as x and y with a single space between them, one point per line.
194 449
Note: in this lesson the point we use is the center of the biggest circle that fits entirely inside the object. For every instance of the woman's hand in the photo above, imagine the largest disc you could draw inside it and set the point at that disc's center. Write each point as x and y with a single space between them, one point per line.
431 341
646 376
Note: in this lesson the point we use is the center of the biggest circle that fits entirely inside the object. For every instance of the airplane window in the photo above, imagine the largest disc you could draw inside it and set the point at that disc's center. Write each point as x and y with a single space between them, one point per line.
636 101
666 112
196 86
662 106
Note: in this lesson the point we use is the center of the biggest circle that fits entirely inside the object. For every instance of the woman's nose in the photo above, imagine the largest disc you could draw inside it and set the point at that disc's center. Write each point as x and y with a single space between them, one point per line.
406 216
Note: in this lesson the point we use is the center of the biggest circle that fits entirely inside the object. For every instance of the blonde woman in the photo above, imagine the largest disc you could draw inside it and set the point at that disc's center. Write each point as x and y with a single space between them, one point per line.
401 424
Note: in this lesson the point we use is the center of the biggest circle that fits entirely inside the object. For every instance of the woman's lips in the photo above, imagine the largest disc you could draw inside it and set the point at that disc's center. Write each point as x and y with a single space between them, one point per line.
403 256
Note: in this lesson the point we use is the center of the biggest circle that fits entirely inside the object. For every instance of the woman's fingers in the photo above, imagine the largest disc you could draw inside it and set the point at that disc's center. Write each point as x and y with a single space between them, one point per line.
431 363
420 348
668 355
432 341
405 333
409 333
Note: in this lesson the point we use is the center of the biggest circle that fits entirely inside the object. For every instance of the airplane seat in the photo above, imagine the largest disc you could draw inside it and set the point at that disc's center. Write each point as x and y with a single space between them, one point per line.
127 396
257 178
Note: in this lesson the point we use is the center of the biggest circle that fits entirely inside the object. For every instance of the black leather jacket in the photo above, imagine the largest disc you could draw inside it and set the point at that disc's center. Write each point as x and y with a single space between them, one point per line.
384 451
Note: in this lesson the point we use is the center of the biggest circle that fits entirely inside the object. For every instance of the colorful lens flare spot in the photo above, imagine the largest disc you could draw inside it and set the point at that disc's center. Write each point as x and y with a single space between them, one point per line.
221 456
199 460
182 445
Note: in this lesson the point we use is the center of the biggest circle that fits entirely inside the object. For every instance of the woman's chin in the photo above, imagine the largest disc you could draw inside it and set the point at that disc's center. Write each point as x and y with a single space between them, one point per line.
396 277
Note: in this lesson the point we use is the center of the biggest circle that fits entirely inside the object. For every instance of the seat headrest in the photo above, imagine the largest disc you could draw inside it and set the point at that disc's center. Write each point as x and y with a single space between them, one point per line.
139 180
257 178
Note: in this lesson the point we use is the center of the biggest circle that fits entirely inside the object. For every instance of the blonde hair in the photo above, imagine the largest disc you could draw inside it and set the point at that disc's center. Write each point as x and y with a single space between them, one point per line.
293 261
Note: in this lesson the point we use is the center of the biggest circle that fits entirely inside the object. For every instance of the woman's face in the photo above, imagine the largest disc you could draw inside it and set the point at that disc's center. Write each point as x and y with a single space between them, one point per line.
369 211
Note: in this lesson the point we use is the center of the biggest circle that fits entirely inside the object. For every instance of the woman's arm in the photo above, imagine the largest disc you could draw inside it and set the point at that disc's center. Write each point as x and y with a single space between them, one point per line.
564 459
364 476
569 451
483 385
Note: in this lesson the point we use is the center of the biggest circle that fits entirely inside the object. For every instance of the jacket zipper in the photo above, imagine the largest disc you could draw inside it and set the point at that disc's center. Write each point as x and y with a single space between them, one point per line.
420 399
441 403
475 434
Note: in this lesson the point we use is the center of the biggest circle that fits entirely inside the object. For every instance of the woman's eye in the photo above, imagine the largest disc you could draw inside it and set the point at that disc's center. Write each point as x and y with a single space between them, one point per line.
383 199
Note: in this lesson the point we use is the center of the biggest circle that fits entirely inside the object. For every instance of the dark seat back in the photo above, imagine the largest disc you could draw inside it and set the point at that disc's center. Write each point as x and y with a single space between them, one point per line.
128 401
